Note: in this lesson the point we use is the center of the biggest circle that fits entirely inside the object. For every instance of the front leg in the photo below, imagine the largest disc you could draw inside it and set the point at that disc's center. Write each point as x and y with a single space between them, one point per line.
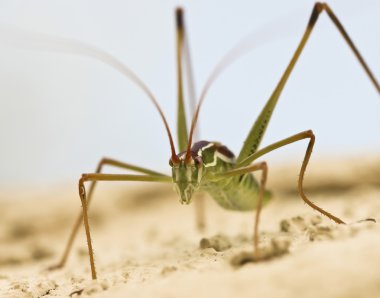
74 232
262 166
107 177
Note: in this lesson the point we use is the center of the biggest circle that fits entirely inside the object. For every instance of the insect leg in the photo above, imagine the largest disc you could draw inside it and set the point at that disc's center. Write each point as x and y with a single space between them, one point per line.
184 69
107 177
261 166
77 224
200 215
257 131
181 115
295 138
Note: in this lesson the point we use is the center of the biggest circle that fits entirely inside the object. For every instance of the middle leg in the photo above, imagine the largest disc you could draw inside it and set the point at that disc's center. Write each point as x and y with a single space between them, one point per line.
295 138
93 177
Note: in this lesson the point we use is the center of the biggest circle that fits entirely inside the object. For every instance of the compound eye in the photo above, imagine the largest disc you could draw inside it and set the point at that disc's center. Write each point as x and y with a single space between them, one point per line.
173 164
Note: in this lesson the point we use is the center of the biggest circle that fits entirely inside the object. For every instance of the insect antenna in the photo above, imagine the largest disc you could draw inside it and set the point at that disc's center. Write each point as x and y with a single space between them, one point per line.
113 62
247 44
30 40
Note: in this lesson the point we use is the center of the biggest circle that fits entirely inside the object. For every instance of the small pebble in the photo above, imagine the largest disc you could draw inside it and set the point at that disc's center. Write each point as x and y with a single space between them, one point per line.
218 242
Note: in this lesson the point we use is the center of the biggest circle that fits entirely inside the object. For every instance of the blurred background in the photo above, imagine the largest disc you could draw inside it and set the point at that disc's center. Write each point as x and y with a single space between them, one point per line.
61 113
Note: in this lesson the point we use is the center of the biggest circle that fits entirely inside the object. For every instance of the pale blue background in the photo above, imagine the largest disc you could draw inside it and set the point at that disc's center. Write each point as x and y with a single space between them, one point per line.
59 114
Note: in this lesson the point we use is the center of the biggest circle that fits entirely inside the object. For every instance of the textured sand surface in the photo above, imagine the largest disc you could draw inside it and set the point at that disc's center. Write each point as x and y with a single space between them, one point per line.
146 243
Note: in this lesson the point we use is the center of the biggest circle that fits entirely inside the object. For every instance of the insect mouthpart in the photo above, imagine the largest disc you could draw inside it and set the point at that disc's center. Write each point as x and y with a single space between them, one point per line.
185 192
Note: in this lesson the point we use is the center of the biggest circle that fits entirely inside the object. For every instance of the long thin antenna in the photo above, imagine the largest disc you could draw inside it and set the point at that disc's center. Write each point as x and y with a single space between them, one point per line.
28 40
254 40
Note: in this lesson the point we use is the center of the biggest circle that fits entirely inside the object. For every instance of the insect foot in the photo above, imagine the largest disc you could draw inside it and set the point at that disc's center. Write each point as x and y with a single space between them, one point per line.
277 248
54 267
367 219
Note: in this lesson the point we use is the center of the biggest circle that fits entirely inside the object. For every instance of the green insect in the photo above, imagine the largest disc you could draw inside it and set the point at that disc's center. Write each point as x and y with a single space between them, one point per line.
210 166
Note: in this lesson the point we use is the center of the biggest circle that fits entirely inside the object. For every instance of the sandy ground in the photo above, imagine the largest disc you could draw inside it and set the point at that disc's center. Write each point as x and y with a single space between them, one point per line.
146 243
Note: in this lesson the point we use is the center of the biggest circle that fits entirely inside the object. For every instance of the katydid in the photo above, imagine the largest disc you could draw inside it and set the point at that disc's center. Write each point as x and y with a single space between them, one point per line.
211 167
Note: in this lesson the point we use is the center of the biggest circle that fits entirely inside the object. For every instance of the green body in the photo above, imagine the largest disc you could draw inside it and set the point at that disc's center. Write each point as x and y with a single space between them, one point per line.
229 181
210 166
